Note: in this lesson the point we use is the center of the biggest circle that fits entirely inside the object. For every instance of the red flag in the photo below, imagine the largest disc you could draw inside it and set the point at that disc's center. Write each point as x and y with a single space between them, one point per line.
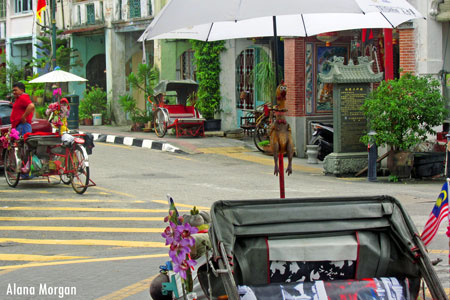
41 5
438 214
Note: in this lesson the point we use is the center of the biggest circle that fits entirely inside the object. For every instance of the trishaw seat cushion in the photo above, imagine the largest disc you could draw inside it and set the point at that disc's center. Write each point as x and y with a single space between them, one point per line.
42 139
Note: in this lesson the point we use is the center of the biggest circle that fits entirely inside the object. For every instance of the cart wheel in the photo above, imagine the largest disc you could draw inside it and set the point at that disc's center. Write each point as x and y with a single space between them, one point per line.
66 178
10 167
160 123
262 132
80 168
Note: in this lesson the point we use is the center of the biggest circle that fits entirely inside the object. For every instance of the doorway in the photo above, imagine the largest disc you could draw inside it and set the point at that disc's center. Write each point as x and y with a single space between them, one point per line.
96 71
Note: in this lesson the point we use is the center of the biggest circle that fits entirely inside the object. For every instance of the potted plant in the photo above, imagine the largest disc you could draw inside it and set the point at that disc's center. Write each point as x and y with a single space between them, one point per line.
403 112
138 116
93 103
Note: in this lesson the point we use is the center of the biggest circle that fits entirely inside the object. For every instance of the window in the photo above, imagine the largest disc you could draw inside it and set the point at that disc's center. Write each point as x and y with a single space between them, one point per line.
2 9
120 9
150 11
245 63
23 6
90 11
186 69
135 8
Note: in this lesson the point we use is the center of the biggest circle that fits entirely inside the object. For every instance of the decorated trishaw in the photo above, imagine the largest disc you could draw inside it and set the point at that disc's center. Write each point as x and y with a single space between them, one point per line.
48 154
184 118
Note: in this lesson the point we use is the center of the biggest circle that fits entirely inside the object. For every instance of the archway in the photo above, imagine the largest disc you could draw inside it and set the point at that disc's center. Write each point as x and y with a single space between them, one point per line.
96 71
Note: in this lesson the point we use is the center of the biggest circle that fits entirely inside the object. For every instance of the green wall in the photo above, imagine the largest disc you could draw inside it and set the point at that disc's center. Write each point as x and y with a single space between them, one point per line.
88 47
170 54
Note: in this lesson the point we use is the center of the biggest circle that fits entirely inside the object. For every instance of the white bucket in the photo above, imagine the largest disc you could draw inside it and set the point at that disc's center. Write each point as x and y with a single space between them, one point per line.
97 119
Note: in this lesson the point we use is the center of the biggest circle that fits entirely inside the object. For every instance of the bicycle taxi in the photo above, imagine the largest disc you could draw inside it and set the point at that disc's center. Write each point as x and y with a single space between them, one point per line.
171 109
45 154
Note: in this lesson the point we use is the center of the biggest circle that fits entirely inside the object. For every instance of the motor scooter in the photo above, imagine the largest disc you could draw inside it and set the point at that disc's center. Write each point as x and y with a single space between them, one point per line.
323 136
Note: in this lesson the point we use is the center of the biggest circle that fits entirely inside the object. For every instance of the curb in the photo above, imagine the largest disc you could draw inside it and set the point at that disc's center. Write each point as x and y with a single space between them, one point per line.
136 142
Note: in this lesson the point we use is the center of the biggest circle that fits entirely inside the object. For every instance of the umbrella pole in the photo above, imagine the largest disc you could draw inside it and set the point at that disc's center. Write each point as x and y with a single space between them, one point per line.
274 102
275 52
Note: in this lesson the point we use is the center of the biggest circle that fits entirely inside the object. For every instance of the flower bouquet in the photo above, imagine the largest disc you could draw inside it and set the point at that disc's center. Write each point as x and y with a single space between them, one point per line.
8 138
58 113
188 240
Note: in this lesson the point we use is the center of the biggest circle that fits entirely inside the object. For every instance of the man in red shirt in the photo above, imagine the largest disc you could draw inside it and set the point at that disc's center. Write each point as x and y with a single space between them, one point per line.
22 110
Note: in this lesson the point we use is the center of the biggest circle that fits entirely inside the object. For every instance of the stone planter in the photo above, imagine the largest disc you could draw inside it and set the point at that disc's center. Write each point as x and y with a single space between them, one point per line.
400 163
213 125
311 152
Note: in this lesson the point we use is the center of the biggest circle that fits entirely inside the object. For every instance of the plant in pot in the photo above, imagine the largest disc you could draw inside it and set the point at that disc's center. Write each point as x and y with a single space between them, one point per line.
93 103
138 116
403 112
207 61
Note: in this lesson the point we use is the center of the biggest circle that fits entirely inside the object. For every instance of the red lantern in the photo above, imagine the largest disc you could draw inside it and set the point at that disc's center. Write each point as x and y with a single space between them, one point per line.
327 37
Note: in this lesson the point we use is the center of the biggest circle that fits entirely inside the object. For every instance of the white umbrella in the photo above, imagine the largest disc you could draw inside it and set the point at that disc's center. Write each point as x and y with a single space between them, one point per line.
218 19
289 25
57 76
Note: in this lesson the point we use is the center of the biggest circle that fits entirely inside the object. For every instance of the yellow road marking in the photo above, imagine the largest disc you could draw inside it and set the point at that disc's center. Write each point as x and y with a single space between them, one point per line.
69 262
136 210
180 205
183 157
26 219
113 191
269 162
115 243
223 150
129 290
116 145
81 229
238 153
434 251
29 257
71 200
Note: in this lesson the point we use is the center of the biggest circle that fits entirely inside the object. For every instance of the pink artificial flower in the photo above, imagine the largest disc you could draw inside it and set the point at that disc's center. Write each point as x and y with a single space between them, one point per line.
186 232
4 142
181 265
57 92
14 135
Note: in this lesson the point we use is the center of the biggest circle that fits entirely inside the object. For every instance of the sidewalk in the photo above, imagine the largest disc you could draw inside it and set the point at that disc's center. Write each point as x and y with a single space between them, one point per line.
213 142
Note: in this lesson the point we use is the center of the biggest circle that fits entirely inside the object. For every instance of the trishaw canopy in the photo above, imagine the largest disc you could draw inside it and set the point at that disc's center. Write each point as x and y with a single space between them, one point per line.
183 88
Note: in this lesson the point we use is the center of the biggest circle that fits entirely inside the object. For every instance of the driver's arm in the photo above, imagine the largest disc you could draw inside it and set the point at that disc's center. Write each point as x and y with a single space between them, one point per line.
28 110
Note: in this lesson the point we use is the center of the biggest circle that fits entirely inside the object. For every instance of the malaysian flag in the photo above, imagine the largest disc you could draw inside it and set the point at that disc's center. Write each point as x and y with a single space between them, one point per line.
439 213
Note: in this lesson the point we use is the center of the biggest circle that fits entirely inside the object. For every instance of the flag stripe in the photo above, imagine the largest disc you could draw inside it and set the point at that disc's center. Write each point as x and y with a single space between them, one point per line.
438 214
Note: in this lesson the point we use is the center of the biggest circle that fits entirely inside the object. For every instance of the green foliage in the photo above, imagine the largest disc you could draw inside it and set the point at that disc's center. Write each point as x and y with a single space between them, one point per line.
40 111
33 89
264 76
207 60
145 79
66 57
94 102
403 111
393 178
137 115
9 74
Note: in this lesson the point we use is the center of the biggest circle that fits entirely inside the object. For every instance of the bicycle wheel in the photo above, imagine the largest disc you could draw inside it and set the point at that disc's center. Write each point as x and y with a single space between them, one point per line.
65 178
160 123
79 165
10 167
262 133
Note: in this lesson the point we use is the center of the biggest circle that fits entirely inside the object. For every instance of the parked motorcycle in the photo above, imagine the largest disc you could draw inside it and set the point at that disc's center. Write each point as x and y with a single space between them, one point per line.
322 136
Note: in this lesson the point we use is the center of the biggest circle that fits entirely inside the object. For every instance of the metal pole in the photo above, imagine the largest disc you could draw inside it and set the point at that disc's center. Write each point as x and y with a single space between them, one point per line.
53 34
373 155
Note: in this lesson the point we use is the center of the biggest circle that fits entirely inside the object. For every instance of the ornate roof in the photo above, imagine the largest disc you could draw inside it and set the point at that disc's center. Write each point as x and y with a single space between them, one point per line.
351 73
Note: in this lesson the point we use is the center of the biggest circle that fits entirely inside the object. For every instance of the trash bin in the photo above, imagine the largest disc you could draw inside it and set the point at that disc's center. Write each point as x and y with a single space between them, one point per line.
73 120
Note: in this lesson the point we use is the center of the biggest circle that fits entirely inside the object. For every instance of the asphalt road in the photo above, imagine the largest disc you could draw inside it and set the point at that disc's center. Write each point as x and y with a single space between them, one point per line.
106 244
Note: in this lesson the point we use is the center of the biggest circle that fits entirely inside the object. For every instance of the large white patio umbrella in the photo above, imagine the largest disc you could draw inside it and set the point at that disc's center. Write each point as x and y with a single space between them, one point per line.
211 20
58 76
